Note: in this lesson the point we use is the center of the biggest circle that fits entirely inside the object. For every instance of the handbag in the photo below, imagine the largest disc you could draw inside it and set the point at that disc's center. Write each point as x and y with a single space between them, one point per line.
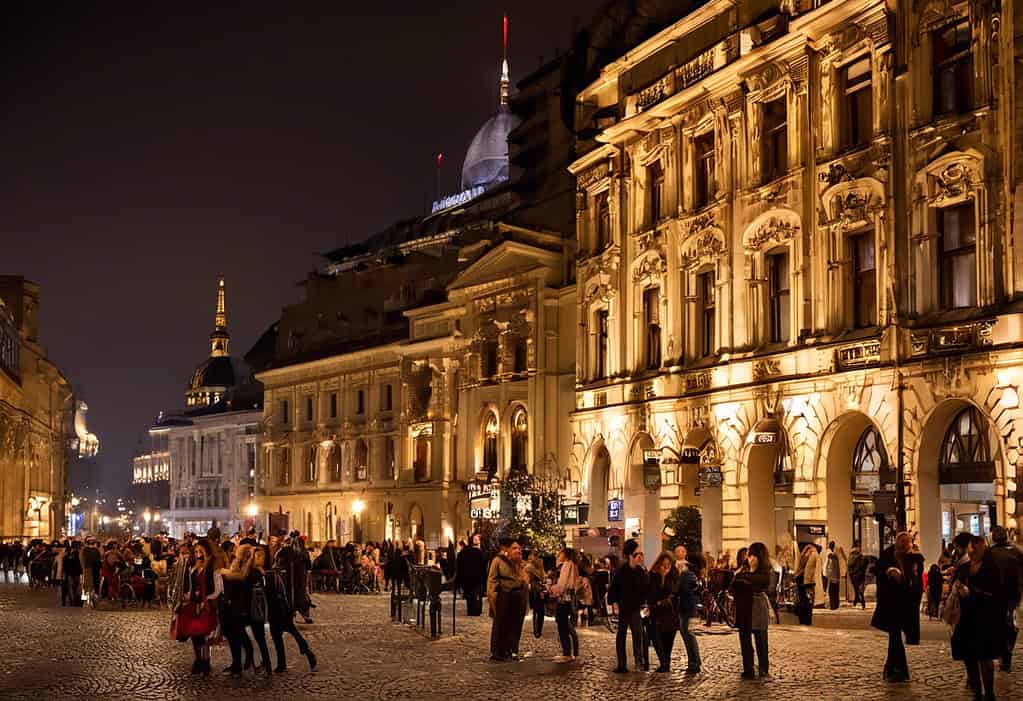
952 611
258 607
761 617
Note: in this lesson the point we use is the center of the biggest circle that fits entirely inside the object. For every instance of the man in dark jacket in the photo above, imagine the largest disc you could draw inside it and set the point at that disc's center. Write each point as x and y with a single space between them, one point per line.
470 571
627 596
1008 558
895 595
686 604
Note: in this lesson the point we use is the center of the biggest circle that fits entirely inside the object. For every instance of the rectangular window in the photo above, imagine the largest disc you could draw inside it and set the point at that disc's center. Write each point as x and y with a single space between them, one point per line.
957 252
703 177
953 68
778 275
308 408
488 360
521 354
333 405
225 498
284 412
603 222
389 472
707 287
858 117
360 402
388 398
864 280
602 341
284 468
775 139
655 181
652 320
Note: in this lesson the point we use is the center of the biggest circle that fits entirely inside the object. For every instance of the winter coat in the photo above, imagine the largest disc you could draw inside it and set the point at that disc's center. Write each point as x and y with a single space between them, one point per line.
1009 560
686 595
661 598
896 597
745 587
503 576
628 589
980 634
833 570
811 570
470 568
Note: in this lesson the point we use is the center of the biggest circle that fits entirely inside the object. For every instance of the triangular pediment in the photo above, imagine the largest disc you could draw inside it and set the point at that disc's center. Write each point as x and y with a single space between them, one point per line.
506 260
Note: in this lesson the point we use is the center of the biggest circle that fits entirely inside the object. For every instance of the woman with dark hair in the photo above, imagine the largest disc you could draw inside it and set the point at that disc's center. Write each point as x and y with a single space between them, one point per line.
564 591
197 617
240 581
752 608
661 592
979 637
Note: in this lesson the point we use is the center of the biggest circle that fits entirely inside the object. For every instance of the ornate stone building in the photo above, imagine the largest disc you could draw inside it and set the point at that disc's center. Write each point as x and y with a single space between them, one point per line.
35 420
799 273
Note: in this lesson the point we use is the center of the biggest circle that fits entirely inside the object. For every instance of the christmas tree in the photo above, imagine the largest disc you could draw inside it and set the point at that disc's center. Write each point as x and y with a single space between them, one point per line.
683 527
531 513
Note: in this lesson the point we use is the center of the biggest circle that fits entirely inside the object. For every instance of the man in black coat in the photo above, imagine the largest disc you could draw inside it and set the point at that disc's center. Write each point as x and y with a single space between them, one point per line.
470 571
627 596
1008 558
895 595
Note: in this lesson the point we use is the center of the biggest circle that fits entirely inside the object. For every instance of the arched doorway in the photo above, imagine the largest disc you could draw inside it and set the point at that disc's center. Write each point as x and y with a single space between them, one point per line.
600 477
519 441
490 433
643 496
770 477
415 523
958 475
701 485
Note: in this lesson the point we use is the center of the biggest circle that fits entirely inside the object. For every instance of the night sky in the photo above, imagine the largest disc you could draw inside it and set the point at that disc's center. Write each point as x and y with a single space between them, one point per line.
148 151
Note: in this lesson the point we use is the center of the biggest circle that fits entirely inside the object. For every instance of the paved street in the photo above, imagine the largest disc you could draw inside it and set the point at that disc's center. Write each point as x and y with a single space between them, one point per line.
81 653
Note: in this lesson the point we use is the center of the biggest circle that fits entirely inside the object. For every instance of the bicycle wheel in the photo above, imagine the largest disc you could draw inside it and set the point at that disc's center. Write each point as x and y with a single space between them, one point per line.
726 608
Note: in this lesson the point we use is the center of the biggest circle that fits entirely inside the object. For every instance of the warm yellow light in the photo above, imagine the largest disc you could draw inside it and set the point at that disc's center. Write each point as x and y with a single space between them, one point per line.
147 516
358 506
252 510
106 520
75 501
156 516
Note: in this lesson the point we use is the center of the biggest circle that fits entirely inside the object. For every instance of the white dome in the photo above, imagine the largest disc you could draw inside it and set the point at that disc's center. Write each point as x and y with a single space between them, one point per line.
486 161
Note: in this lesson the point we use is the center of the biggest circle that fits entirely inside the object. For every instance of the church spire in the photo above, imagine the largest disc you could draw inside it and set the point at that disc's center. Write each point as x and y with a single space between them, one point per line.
504 66
220 339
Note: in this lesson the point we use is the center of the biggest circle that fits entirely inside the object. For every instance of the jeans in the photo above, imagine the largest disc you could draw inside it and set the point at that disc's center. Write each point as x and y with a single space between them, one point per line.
536 605
630 622
565 617
238 640
277 631
72 589
693 662
896 664
473 603
664 643
747 638
833 594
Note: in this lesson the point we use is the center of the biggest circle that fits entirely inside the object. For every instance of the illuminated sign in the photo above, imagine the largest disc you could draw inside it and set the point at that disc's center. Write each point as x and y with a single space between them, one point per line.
614 510
457 199
690 456
765 437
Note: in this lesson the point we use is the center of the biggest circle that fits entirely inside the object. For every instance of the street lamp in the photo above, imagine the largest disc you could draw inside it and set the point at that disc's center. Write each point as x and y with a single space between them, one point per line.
358 506
252 510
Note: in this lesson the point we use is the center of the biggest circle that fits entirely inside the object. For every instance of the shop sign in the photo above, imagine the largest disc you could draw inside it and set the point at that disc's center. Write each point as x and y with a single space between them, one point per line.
614 510
652 469
711 477
765 437
690 456
575 514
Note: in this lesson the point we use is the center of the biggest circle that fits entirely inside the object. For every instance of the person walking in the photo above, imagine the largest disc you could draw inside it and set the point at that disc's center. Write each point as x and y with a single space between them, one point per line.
470 571
979 636
507 594
686 605
807 574
240 580
752 608
894 597
564 592
281 612
197 617
858 574
627 595
1008 558
832 575
661 599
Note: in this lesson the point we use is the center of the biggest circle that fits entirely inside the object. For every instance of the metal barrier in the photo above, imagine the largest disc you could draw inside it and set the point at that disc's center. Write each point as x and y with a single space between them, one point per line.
425 587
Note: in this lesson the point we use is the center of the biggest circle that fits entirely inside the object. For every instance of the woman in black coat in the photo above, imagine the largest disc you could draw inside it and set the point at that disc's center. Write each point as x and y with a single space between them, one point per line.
979 637
662 591
752 608
896 576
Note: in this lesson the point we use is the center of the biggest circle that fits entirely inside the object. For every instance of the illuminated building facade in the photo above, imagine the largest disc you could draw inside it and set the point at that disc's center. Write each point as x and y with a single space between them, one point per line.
800 273
35 420
209 452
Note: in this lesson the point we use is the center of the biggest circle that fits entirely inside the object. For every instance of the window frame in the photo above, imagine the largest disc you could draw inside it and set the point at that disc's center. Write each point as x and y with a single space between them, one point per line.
652 327
779 296
602 221
946 259
603 324
851 137
774 157
958 63
857 278
704 168
655 177
706 288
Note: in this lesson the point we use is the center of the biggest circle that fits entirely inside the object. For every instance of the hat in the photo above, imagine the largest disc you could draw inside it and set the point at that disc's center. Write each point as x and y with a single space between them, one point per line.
631 546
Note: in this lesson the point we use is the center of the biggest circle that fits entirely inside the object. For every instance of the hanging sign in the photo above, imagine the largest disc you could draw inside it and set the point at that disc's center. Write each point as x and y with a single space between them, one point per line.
614 510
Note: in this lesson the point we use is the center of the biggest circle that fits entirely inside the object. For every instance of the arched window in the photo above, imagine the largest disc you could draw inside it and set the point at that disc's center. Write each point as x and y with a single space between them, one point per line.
490 431
334 461
519 441
361 460
870 462
310 464
965 453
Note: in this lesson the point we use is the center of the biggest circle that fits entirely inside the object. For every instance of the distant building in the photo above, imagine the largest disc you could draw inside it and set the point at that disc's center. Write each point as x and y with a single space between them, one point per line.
35 419
83 454
209 452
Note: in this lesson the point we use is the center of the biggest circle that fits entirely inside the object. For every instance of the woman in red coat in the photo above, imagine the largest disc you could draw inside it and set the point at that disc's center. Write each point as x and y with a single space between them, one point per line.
197 614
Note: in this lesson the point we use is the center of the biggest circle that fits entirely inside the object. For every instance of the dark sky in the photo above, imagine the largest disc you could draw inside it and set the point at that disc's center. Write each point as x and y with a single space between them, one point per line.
149 147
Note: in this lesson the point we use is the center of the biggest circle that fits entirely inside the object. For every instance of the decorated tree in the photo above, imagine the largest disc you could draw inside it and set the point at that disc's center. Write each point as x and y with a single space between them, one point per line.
683 526
531 513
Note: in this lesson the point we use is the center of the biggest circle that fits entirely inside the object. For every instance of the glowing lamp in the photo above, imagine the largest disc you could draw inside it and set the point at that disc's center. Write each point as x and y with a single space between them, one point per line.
358 506
252 510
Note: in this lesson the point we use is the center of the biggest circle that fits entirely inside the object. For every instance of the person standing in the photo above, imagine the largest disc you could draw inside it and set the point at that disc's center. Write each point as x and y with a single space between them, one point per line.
627 595
979 637
537 583
752 608
686 605
239 581
807 574
507 593
832 574
894 596
73 574
564 592
662 594
281 612
857 574
197 617
1008 558
469 575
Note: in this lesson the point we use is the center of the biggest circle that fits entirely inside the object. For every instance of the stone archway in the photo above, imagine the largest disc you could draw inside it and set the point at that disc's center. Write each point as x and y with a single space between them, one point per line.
768 495
599 484
642 505
703 455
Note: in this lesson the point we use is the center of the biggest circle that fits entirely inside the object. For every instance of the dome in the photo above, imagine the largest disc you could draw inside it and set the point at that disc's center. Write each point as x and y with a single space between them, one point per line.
486 161
215 372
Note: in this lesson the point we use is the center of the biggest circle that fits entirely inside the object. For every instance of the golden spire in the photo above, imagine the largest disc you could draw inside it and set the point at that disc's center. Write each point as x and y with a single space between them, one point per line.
504 66
220 339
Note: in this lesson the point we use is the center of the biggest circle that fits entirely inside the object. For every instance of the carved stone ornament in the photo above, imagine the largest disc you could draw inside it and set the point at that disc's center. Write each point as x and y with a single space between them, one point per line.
776 229
954 182
599 292
705 246
649 241
700 223
652 266
763 369
593 175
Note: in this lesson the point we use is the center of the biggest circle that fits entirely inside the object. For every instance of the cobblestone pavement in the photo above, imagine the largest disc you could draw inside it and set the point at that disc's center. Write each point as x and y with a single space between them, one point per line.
114 654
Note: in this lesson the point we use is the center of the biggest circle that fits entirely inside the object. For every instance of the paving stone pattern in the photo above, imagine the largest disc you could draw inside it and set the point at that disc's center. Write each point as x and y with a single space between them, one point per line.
113 654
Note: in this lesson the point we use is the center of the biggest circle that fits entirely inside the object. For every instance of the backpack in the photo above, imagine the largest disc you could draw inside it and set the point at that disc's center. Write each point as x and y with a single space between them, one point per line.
259 609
